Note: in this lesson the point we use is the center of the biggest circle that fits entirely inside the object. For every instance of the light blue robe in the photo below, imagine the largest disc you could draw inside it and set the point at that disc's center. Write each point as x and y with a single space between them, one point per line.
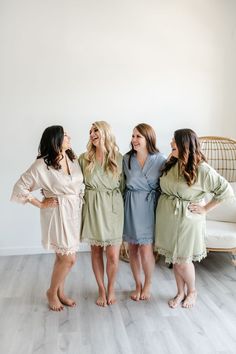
140 197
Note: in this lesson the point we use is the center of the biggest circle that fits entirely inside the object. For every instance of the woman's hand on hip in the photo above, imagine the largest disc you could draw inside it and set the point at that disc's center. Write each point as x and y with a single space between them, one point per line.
49 203
197 208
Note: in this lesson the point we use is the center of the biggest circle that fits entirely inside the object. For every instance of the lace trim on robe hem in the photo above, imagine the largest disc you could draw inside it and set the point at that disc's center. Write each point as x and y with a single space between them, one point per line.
63 251
102 243
139 242
179 260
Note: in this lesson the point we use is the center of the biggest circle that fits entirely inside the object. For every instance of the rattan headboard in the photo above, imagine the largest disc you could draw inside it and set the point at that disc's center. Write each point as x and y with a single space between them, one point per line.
221 154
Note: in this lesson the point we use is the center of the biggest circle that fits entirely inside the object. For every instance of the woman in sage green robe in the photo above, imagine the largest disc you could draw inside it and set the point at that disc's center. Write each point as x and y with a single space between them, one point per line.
102 215
180 214
103 212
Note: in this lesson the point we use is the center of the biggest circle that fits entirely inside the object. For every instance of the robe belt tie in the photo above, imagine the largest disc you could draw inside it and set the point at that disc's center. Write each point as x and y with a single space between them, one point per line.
179 202
151 194
60 197
110 192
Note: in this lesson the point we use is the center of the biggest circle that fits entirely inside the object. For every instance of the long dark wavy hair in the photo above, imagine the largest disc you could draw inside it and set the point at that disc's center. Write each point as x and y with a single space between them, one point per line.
150 136
50 147
190 155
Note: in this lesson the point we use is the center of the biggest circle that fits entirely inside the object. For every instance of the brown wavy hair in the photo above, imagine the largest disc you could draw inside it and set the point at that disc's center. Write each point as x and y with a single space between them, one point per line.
50 147
190 155
150 136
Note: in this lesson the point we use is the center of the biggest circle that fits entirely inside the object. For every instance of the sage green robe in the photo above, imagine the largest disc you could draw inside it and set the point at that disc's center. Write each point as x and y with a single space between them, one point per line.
103 212
180 234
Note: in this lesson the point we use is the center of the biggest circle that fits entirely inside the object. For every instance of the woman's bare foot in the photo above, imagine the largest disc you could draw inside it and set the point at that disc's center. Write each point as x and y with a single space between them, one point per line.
176 301
146 292
111 297
53 301
102 299
66 300
135 295
190 300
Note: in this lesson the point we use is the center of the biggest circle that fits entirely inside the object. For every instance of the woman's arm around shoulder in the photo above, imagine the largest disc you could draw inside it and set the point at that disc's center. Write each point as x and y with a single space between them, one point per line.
162 159
81 161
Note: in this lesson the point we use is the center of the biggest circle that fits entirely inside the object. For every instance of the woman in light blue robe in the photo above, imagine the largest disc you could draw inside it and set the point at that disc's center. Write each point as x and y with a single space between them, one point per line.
142 168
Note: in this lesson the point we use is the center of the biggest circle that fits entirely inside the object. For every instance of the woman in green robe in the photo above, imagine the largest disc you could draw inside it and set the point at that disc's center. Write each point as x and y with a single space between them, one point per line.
180 216
103 213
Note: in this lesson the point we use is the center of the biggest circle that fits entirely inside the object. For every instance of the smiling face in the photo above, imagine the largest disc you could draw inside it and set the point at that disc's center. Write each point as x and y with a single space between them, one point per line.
95 136
66 142
175 151
138 141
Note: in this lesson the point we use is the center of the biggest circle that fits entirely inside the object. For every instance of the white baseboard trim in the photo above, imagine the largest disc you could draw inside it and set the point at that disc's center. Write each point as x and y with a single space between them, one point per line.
34 250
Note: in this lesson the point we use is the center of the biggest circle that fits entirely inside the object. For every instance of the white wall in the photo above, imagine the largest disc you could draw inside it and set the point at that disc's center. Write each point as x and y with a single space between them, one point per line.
170 63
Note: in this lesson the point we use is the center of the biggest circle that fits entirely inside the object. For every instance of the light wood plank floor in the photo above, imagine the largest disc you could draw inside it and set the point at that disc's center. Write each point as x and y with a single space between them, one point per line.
27 326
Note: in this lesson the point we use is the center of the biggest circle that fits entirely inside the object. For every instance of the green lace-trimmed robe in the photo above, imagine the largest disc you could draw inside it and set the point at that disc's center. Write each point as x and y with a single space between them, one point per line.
103 211
180 234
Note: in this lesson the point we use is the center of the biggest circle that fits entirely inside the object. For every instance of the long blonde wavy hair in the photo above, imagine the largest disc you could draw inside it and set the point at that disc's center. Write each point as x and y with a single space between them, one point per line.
109 148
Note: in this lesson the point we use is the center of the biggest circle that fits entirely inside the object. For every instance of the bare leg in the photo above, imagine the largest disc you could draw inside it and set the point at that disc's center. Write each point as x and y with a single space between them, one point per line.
98 269
178 299
112 253
135 264
148 262
61 268
63 298
187 272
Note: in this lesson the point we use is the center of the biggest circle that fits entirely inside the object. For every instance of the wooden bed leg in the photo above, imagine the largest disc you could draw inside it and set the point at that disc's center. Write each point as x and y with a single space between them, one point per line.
156 256
233 255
